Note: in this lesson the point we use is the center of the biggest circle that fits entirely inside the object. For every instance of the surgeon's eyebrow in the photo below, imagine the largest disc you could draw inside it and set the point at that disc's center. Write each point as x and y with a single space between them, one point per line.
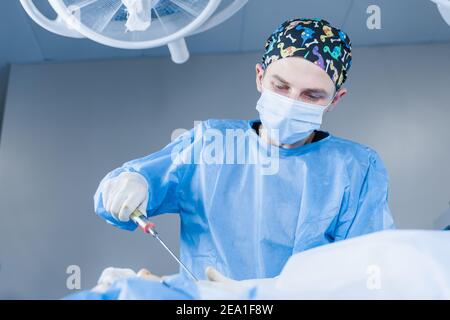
280 79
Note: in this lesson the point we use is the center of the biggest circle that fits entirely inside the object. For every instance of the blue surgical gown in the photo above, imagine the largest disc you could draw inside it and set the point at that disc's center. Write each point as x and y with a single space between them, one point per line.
246 218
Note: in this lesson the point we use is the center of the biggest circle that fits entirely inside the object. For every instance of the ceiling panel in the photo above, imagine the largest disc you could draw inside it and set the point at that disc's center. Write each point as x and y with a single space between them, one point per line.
55 47
222 38
402 22
17 42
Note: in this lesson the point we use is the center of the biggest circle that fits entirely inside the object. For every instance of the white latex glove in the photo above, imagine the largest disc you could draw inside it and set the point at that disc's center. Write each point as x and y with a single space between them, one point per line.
111 275
124 194
215 276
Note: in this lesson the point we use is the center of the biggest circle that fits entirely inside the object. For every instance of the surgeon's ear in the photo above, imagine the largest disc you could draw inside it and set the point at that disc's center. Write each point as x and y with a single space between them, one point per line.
259 76
339 95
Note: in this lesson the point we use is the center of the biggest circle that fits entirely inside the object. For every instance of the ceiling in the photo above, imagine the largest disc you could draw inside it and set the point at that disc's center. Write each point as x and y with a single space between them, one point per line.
403 22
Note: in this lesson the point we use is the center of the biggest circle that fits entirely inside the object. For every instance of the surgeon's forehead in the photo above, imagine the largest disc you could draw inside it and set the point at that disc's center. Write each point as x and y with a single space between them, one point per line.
300 73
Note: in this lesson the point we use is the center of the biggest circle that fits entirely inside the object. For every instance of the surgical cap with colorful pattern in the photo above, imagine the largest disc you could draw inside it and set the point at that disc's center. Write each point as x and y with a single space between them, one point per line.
315 40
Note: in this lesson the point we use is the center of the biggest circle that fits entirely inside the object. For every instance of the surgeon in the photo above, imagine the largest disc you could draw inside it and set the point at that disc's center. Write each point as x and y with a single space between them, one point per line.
306 188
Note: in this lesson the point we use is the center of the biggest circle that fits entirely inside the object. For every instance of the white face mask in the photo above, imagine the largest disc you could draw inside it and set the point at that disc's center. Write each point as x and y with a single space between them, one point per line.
294 120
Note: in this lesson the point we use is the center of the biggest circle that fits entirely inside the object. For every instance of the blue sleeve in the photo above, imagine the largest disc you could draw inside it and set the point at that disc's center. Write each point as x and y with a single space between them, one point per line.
372 211
162 170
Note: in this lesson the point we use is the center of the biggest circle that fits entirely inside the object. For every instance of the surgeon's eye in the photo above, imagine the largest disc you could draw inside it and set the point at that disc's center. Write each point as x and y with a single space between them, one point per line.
311 98
279 86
